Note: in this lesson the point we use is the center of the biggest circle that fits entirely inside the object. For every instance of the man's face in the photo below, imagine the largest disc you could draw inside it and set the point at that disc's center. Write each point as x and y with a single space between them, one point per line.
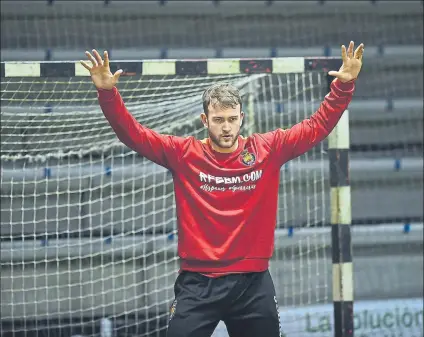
223 126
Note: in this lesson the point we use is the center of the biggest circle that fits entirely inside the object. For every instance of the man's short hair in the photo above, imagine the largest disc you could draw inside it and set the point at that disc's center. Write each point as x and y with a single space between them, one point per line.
221 95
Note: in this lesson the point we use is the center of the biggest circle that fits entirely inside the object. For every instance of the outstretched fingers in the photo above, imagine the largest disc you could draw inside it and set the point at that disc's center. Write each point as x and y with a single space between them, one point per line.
106 59
344 53
85 65
117 74
359 51
350 50
91 58
97 57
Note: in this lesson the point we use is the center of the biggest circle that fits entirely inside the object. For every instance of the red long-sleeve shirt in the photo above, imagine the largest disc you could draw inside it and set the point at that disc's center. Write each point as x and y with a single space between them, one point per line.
226 203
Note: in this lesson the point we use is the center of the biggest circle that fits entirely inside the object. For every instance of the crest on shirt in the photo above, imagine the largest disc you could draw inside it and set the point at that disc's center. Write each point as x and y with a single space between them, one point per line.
247 158
172 309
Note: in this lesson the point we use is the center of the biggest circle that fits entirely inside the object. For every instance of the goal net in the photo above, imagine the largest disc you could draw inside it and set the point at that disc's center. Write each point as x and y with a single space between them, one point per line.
89 227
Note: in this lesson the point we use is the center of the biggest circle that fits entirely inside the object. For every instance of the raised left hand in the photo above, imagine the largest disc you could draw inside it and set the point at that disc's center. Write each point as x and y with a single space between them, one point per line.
352 63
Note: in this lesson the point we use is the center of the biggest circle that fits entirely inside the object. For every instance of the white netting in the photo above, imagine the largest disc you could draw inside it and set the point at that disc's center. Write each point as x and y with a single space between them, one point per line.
56 117
86 223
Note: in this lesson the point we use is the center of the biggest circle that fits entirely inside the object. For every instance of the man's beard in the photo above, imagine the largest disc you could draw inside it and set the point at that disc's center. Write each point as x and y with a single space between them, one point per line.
221 143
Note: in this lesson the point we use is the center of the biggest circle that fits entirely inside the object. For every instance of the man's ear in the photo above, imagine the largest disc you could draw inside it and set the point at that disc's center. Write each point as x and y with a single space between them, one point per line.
241 117
204 119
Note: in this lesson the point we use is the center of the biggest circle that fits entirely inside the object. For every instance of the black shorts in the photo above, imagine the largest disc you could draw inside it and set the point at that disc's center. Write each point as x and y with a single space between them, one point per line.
246 303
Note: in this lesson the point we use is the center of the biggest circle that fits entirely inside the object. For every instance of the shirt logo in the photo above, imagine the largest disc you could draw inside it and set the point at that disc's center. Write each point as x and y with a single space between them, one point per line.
247 158
235 183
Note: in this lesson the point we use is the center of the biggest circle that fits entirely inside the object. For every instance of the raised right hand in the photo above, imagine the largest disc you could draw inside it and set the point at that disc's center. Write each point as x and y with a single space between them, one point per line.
352 63
100 71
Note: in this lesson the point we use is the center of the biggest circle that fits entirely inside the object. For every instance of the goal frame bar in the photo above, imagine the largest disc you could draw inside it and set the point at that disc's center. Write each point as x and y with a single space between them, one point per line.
338 149
184 67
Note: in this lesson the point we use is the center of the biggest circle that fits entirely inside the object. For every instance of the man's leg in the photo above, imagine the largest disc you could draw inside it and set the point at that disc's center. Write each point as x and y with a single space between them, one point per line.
196 310
255 312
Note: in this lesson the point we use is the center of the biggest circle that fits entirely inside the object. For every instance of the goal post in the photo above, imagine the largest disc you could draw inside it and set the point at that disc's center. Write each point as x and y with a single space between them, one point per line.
341 219
88 228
